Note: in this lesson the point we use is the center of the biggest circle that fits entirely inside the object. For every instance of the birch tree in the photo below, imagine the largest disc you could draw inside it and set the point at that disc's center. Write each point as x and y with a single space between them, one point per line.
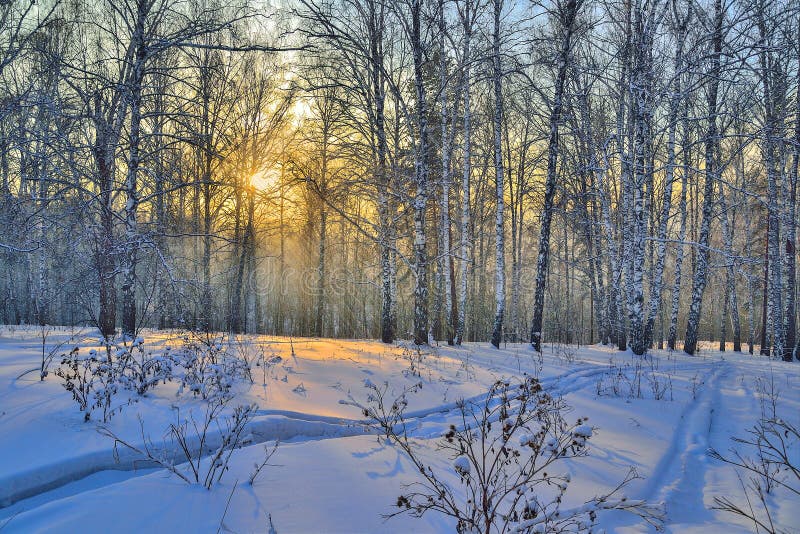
710 177
681 22
497 123
565 15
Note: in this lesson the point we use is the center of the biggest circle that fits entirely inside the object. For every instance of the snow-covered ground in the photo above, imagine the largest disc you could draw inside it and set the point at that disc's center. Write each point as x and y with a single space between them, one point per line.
330 474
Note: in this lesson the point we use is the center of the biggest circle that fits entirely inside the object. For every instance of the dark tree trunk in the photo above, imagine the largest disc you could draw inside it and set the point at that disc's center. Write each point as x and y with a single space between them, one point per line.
710 171
569 15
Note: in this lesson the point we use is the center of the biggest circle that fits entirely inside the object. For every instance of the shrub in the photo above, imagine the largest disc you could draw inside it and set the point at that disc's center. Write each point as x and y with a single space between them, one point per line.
626 379
90 380
505 451
772 466
206 368
189 442
139 370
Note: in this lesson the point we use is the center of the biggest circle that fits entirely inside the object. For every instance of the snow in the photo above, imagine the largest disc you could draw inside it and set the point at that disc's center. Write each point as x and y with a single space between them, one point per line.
58 474
461 465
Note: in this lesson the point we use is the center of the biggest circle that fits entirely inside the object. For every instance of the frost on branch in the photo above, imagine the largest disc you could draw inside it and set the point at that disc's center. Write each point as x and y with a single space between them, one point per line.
203 366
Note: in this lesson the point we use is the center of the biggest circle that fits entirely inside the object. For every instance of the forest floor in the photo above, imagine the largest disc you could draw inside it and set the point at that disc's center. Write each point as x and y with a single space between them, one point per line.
330 474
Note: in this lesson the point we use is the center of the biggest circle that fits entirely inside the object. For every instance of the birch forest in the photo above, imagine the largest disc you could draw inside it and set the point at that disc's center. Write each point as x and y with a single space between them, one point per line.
622 172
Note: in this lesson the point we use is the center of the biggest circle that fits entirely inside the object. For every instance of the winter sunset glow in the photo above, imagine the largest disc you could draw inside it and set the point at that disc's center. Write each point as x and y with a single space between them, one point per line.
367 266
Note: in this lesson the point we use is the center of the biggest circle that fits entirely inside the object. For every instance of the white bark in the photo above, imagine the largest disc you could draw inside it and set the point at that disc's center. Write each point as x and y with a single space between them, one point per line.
500 262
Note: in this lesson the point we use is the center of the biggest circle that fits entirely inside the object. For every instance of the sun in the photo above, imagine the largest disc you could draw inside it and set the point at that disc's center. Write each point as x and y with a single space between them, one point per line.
265 180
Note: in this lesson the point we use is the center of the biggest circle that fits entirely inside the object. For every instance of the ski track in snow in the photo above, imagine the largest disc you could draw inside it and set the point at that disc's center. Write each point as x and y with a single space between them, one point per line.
271 425
680 478
268 425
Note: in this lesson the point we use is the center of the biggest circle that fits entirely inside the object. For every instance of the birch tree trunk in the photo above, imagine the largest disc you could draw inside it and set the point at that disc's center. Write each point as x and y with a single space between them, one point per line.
710 171
674 106
319 322
765 308
731 298
624 138
641 88
467 18
41 297
253 315
590 192
567 17
769 81
421 178
104 236
676 288
131 186
375 27
792 345
445 253
500 252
